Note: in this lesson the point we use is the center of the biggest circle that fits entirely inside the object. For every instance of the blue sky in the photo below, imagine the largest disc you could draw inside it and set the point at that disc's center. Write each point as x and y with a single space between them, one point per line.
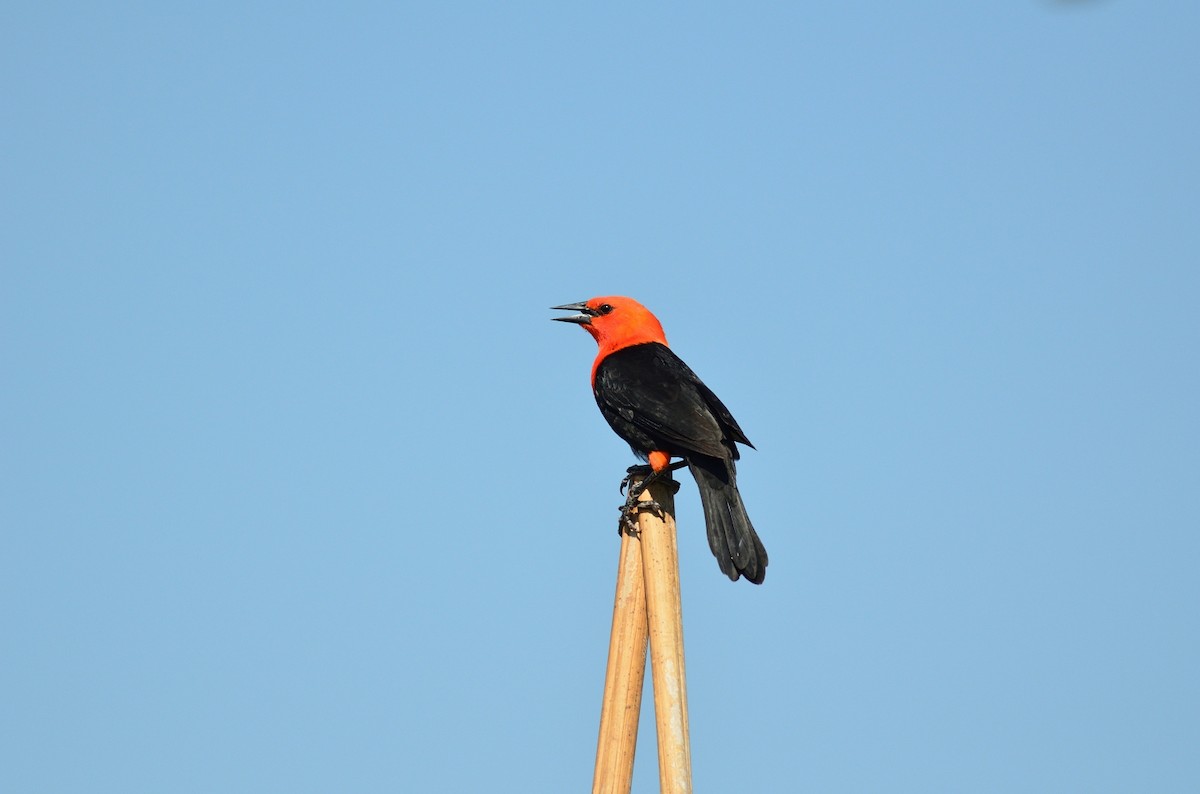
301 491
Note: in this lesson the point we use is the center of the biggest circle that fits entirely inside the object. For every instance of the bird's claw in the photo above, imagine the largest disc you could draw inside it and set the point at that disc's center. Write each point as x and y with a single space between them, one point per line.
628 523
632 473
653 507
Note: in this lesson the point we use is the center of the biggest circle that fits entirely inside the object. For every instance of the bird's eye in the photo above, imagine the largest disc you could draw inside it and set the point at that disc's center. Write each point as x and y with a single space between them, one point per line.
605 308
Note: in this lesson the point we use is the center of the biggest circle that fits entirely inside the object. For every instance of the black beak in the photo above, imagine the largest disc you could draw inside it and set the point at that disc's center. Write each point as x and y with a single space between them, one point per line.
585 318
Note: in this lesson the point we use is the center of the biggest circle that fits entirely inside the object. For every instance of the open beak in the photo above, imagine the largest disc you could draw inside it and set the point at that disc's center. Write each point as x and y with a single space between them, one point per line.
584 318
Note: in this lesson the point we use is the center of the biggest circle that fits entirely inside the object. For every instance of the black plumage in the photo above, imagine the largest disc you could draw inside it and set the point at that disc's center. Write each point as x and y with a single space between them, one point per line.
654 401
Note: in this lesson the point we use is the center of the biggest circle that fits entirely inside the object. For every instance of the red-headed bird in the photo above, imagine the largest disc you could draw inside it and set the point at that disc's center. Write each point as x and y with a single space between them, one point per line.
656 403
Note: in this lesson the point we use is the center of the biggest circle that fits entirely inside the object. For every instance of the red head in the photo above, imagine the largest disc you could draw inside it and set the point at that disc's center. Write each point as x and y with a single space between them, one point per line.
615 322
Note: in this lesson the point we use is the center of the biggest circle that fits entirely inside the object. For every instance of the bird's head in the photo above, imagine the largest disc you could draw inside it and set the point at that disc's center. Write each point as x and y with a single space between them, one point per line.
615 322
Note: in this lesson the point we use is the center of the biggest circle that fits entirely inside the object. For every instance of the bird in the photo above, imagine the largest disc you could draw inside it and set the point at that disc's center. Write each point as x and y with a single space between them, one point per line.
654 401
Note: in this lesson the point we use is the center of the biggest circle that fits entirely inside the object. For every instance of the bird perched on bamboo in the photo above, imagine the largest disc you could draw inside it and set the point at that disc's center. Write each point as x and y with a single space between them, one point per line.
663 410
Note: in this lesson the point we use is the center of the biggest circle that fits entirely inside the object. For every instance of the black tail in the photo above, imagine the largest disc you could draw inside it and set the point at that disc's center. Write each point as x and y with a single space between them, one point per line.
731 536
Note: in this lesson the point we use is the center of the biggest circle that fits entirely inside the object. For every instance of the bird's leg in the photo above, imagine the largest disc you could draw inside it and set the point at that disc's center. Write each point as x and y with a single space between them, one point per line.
648 476
633 503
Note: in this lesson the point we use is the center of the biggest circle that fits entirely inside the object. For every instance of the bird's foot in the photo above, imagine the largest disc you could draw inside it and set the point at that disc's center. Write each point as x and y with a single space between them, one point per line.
628 523
637 480
636 473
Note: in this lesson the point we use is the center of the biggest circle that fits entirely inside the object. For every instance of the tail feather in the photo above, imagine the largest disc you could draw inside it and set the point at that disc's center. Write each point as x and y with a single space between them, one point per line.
731 536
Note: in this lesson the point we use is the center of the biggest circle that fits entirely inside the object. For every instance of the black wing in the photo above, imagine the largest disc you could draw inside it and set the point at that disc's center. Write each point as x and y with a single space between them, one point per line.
654 401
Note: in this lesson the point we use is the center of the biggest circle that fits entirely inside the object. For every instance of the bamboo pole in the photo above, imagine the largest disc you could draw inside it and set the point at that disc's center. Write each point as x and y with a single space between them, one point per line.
646 607
660 566
622 705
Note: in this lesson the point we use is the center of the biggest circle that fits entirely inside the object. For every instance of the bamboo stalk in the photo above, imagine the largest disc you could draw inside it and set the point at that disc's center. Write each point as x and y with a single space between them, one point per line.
660 565
622 704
